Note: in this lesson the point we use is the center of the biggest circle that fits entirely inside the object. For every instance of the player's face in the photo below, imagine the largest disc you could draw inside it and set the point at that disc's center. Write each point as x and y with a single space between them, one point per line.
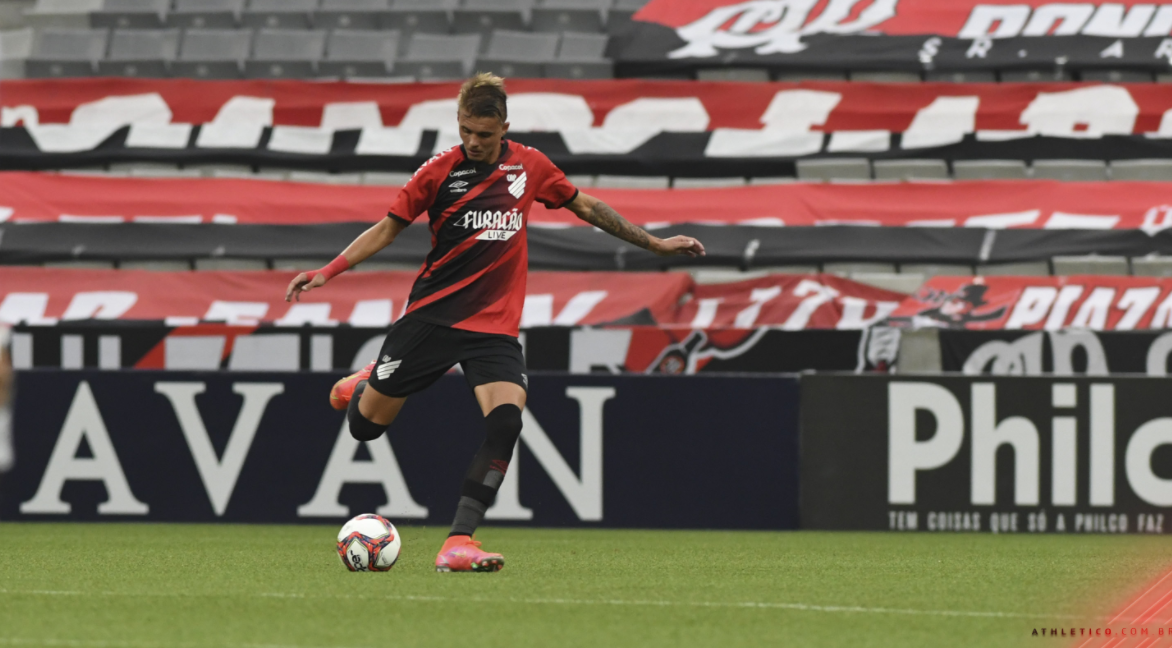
481 136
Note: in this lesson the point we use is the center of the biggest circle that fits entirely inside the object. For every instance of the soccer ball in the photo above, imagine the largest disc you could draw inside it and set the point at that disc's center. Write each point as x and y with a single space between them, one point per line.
369 543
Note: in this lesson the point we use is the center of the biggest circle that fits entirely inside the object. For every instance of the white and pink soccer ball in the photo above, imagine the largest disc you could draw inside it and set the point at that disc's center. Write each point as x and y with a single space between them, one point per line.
369 542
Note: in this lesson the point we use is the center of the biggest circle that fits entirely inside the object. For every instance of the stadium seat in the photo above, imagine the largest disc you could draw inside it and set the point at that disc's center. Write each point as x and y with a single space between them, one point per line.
797 76
1116 76
732 74
62 52
350 14
324 177
213 53
231 264
355 53
885 77
61 13
975 76
285 54
173 265
1152 266
632 182
434 57
387 178
1070 170
200 14
618 17
484 16
80 265
834 169
706 183
279 14
1092 264
569 15
410 17
1034 76
15 48
989 170
936 269
140 14
910 169
518 54
1157 170
762 181
844 269
140 53
581 56
1025 269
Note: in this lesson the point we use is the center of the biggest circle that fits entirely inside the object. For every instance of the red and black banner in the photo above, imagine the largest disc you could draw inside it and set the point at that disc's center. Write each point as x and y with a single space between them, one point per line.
47 296
633 127
1093 302
1006 204
673 36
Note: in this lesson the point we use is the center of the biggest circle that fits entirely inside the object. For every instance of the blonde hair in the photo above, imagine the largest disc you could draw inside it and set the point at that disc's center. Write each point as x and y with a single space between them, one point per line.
483 95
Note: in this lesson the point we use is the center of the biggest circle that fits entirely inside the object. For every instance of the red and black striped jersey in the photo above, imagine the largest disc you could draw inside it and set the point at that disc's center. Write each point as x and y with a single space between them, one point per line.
474 276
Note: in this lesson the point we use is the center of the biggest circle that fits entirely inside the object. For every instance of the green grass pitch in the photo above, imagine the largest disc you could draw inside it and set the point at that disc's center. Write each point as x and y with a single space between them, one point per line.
146 585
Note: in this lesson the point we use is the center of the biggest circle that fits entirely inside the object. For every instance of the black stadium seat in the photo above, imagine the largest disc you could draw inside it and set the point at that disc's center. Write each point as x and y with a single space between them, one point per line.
581 56
350 14
59 52
411 17
436 57
569 15
285 54
213 53
142 14
483 16
279 14
360 53
213 14
518 54
141 53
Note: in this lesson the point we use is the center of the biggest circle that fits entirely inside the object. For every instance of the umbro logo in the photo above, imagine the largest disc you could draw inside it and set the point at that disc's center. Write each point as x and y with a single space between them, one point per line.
517 188
387 368
458 186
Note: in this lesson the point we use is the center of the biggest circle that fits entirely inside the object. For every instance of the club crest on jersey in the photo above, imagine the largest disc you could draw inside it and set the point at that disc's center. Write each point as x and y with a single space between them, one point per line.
497 225
517 188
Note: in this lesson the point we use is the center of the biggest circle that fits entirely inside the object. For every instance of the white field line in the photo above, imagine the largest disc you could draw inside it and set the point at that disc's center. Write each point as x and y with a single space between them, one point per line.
754 605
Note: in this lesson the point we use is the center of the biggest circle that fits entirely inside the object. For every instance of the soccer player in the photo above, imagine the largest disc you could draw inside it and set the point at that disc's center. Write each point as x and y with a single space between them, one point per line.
5 392
465 306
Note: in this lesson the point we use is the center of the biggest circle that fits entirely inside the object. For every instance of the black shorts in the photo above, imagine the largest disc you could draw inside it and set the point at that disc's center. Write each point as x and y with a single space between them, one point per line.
416 353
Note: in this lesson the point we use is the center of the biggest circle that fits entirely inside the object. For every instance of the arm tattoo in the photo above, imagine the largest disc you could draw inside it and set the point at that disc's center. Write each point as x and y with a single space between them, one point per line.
608 220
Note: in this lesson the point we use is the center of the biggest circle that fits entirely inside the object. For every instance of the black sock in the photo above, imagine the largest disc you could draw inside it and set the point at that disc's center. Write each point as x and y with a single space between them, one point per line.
488 468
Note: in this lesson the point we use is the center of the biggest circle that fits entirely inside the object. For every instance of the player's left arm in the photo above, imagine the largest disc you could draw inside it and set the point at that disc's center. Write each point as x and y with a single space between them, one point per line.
605 218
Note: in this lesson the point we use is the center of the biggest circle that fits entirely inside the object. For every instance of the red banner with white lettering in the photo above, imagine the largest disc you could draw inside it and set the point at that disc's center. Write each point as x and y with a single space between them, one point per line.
588 108
37 197
793 302
1039 303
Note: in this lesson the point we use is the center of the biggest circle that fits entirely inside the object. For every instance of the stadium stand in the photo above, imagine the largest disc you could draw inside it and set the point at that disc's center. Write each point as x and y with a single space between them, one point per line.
124 14
432 58
140 53
279 14
350 14
285 53
206 14
213 53
66 52
352 53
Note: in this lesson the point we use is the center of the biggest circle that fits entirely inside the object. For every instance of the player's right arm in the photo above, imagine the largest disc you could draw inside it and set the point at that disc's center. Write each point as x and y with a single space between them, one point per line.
365 246
413 200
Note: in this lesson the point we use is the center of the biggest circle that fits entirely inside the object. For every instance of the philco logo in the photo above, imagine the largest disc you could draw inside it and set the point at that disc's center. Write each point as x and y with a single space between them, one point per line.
498 225
908 455
777 26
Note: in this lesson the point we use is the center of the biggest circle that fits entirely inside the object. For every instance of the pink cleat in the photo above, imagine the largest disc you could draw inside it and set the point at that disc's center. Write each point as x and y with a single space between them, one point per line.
462 553
343 390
